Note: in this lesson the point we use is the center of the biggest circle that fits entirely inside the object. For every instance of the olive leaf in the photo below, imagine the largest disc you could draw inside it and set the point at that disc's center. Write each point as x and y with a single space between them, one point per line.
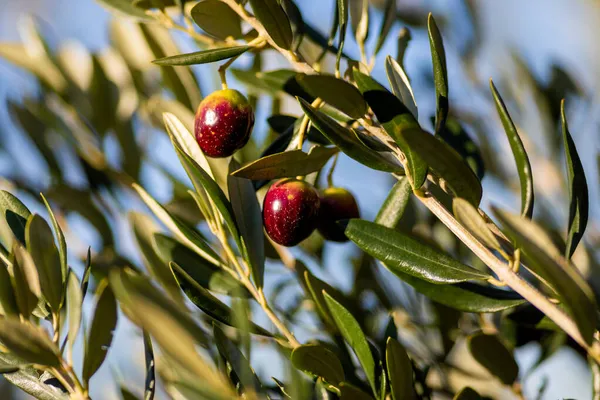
28 342
14 217
490 352
440 73
318 360
275 21
202 57
399 368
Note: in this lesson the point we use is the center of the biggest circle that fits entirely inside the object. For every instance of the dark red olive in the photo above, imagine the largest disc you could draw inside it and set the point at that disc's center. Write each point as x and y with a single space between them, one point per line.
336 204
223 123
290 211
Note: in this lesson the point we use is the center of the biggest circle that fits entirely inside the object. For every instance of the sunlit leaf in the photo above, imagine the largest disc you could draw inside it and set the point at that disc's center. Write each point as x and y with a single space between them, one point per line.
126 8
393 207
203 57
470 218
217 19
62 244
440 73
14 218
275 21
400 85
74 304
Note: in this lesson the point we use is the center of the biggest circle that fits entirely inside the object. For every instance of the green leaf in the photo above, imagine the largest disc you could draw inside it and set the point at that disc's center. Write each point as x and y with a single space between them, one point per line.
217 19
519 153
236 362
125 8
350 392
467 393
546 260
287 164
40 244
353 334
27 379
318 360
347 141
150 384
336 92
465 296
25 281
402 253
206 302
186 235
203 57
445 163
400 85
248 215
28 342
8 368
578 189
74 304
471 219
272 82
62 243
201 270
400 371
359 19
458 138
393 207
342 13
388 21
397 120
15 215
101 331
490 352
8 301
440 73
275 21
164 320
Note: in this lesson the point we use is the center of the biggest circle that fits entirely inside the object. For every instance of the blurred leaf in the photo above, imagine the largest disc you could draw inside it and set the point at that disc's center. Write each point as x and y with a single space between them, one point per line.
397 121
126 8
14 217
36 62
284 125
490 352
28 342
402 253
25 281
465 296
353 334
578 189
28 379
62 244
103 94
40 244
275 21
236 363
74 304
272 82
440 73
318 360
400 85
445 163
519 153
336 92
400 371
286 164
298 25
350 392
359 19
8 301
248 215
202 271
181 81
203 57
217 19
467 394
346 140
393 207
470 218
164 320
185 234
206 302
456 136
388 21
342 13
101 331
545 259
150 384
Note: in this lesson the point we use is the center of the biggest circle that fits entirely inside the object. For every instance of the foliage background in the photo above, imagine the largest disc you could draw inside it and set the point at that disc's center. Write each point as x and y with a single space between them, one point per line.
481 38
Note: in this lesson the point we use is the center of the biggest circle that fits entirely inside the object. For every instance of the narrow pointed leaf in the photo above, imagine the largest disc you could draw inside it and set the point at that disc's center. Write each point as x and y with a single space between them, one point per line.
342 13
126 8
468 215
74 304
400 85
30 343
8 301
40 244
359 19
287 164
203 57
389 17
25 281
346 140
275 21
13 219
394 205
101 331
248 215
402 253
396 119
546 260
150 384
578 189
490 352
206 302
353 334
62 244
400 371
440 73
335 92
519 153
318 360
467 394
